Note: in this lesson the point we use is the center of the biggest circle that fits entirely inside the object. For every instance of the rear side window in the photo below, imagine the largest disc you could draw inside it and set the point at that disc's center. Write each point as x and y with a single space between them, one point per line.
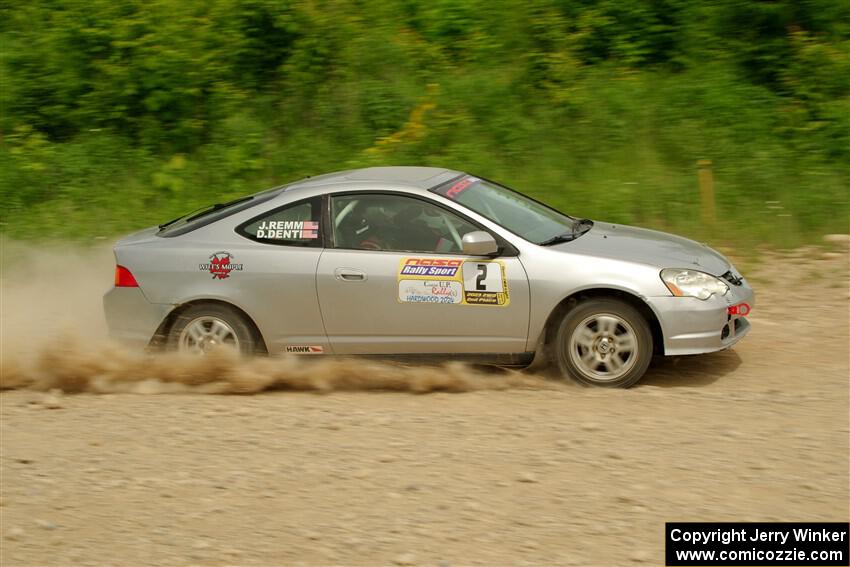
296 224
208 215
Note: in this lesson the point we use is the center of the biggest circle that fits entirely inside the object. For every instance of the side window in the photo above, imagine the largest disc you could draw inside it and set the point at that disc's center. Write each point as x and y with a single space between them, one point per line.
297 224
397 223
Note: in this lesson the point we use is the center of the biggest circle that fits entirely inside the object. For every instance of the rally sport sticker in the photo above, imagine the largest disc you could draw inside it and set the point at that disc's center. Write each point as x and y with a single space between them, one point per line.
438 280
427 291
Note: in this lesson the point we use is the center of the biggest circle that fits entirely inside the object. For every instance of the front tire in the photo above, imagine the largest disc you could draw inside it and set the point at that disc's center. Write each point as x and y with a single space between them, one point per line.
203 328
603 342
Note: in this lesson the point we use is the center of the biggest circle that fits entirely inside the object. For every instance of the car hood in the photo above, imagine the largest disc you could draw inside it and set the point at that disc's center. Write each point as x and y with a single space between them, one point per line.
632 244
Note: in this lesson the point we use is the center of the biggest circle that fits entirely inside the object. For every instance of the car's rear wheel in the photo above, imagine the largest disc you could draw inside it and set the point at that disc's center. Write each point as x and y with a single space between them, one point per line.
204 328
604 342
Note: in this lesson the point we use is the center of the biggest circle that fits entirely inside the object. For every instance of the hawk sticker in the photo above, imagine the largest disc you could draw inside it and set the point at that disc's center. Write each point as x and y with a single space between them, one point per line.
220 265
305 349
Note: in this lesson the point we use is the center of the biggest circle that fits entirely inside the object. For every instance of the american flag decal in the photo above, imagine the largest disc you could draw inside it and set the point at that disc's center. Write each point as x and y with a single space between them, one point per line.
310 229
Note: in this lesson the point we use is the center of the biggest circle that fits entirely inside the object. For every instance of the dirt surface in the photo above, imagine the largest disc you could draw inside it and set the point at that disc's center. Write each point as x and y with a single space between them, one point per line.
534 473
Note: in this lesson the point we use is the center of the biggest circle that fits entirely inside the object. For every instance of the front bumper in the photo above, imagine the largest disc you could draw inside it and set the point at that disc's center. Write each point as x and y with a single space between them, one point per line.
695 326
130 317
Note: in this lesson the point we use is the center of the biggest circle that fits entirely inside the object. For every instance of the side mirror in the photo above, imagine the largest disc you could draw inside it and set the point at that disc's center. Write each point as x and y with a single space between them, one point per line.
479 243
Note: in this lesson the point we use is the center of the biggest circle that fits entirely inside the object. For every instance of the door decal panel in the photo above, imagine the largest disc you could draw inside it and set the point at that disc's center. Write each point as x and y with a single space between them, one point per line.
484 283
463 282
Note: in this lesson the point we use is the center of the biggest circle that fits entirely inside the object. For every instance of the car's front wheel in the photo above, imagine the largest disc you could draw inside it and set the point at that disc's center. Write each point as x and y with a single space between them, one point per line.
203 328
603 342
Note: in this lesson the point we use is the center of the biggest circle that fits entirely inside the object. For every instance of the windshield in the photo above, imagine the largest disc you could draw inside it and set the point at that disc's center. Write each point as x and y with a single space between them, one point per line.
521 215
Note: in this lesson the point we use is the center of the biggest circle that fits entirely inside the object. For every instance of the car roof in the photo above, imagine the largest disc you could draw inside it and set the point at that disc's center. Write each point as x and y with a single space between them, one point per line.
392 176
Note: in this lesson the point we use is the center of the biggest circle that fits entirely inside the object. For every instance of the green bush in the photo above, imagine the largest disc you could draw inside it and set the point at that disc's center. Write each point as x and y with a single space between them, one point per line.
118 115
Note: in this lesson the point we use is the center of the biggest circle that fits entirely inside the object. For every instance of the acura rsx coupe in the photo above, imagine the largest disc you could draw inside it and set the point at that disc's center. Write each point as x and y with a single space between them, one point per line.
423 264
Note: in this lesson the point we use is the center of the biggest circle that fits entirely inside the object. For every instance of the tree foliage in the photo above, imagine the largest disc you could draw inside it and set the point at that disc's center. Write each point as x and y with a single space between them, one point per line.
603 106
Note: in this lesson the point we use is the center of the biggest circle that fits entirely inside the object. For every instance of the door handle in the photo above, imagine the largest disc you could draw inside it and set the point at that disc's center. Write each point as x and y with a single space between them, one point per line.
349 275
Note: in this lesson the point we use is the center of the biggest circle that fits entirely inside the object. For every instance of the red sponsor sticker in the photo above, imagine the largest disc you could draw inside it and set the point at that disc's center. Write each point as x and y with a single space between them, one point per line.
459 187
432 262
741 310
220 265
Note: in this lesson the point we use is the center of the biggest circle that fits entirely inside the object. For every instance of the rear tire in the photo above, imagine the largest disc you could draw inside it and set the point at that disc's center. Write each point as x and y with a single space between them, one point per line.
205 327
603 342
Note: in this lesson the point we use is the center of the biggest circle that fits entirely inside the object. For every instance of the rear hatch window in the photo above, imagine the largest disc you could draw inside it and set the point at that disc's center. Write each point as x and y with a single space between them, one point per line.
212 213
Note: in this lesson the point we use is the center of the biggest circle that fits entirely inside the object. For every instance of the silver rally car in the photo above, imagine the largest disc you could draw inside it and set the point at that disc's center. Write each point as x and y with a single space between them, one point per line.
418 264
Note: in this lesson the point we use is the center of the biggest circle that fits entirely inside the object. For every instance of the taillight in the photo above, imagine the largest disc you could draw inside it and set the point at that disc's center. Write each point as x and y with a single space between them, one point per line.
123 277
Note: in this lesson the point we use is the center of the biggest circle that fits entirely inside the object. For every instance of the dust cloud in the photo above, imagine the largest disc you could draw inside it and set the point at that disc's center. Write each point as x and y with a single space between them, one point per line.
53 336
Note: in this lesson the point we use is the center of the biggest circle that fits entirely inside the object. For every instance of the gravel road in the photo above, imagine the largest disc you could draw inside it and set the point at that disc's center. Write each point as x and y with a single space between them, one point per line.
561 475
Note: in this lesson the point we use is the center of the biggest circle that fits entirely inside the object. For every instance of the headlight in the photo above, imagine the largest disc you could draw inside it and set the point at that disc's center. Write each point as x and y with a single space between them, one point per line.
691 283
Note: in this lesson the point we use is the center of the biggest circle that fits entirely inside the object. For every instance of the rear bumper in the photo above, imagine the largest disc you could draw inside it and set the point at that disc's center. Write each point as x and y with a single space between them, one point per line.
130 317
694 326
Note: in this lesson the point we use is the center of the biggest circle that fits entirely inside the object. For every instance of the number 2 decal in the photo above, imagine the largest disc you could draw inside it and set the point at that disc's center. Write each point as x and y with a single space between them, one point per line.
480 284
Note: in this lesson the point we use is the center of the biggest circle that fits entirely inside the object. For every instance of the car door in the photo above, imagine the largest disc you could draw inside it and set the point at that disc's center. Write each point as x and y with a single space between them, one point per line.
394 281
278 283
